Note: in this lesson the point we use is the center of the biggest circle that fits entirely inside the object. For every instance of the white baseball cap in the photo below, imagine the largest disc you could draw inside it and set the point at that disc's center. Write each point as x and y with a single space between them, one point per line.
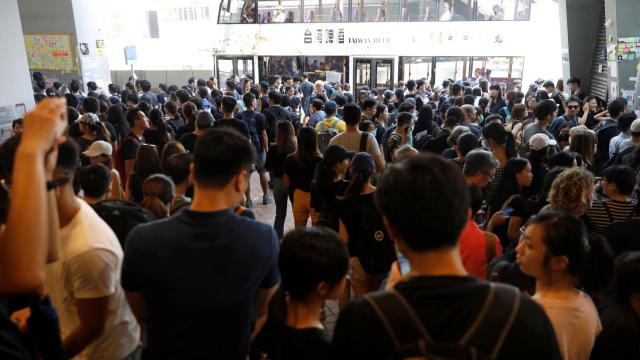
635 126
99 148
540 141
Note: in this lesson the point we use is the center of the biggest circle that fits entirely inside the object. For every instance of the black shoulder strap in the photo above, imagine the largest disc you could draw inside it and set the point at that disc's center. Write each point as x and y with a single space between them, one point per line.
399 319
364 138
494 321
608 211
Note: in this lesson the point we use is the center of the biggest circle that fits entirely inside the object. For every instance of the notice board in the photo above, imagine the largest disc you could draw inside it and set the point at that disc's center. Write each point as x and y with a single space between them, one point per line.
49 52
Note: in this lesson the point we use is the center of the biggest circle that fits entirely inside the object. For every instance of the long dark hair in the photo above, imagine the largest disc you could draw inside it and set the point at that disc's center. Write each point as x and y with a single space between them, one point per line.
115 115
356 184
158 191
509 184
425 119
307 145
285 138
499 135
380 108
155 118
147 164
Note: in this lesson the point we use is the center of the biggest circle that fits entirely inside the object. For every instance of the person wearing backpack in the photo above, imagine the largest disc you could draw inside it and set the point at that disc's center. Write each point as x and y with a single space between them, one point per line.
400 136
330 126
605 131
617 203
121 216
436 306
257 124
361 226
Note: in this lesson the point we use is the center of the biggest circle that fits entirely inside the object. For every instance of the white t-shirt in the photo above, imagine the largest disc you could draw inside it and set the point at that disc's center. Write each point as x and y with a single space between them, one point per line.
89 267
576 323
351 141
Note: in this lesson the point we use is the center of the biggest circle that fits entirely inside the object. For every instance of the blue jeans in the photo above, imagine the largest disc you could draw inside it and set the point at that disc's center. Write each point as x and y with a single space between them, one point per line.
280 196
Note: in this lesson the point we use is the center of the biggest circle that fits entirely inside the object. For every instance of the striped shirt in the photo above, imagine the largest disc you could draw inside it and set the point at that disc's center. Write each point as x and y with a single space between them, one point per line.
600 218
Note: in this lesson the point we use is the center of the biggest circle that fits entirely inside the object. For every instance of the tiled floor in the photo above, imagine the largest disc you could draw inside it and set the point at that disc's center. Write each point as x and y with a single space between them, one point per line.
267 213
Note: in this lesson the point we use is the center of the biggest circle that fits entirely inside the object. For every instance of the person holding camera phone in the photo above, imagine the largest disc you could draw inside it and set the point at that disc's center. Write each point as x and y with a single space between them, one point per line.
400 135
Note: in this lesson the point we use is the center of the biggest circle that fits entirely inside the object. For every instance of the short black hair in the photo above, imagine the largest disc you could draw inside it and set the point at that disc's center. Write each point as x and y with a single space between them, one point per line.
72 100
561 159
429 219
204 120
455 116
68 157
91 85
74 85
177 167
91 105
183 96
419 83
351 114
616 107
228 104
171 107
132 116
133 98
203 92
404 118
466 143
544 109
213 167
622 176
17 122
248 99
317 104
468 99
406 106
573 99
624 122
275 97
573 80
94 180
411 85
368 103
309 256
455 89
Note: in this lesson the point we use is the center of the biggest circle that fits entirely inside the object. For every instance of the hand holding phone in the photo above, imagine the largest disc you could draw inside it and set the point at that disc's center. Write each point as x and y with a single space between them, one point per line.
507 211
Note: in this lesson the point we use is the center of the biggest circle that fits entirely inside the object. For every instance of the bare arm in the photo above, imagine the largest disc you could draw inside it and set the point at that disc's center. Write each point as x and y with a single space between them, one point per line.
261 308
602 115
286 182
344 234
129 167
264 139
514 225
136 302
379 162
92 314
585 114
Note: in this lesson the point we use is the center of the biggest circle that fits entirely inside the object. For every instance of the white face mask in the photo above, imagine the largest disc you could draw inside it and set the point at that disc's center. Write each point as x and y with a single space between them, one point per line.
373 132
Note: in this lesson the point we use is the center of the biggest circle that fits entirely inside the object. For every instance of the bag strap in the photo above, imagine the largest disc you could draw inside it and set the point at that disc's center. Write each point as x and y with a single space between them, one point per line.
494 321
608 211
364 138
491 245
506 203
399 319
334 124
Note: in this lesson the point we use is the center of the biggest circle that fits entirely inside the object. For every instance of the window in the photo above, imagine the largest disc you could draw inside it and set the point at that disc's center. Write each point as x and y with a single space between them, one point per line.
523 9
326 68
414 67
501 69
455 10
494 10
279 65
281 11
375 10
454 68
419 10
325 11
237 11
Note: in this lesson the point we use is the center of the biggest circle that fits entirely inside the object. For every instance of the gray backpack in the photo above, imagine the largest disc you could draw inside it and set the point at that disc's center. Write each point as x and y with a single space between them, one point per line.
326 134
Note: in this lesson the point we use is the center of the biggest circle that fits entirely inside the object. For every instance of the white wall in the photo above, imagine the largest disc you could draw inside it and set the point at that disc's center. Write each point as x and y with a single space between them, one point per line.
14 70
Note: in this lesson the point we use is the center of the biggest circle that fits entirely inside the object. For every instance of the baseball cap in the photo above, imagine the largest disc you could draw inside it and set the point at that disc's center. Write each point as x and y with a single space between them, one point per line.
540 141
335 154
330 105
90 118
635 127
363 162
99 148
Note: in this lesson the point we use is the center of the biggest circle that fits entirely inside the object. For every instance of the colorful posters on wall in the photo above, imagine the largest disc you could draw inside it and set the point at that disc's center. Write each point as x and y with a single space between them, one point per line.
628 48
49 52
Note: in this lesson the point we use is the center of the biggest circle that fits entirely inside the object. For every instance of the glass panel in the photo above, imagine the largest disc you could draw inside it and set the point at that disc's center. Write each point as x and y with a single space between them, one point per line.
491 10
419 10
454 68
236 11
363 74
325 11
455 10
326 68
245 67
225 70
523 9
375 10
383 75
415 68
279 65
280 11
500 69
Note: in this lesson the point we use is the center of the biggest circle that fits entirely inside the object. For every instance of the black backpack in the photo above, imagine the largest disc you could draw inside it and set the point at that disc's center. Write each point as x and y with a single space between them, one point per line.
250 120
122 216
375 249
483 340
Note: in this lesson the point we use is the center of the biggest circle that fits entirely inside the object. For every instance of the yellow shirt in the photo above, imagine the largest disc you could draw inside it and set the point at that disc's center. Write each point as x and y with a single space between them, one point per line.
329 121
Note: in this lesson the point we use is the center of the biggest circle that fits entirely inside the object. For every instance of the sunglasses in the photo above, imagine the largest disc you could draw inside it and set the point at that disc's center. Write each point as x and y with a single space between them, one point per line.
573 107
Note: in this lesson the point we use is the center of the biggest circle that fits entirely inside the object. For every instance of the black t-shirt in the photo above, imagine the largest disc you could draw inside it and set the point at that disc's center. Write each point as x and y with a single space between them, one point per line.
309 344
520 207
619 339
176 123
256 123
447 306
300 172
153 137
273 114
129 148
235 124
350 213
275 161
12 347
324 200
188 141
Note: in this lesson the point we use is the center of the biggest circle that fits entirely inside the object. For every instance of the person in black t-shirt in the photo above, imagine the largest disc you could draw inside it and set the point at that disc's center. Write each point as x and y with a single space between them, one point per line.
294 329
228 108
204 121
126 158
175 120
275 163
426 226
621 318
258 134
275 113
328 182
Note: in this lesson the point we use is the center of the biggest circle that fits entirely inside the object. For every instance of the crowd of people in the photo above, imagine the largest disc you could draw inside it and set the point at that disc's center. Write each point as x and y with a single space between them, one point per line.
447 222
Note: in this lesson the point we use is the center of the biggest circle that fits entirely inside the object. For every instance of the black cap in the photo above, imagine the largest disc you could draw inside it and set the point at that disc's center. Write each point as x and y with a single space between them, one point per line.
335 154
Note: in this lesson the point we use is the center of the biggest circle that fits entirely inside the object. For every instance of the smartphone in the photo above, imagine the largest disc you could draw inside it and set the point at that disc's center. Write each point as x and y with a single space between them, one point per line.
507 211
405 268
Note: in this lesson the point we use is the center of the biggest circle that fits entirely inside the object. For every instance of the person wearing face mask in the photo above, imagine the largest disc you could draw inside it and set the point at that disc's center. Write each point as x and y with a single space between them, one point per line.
400 136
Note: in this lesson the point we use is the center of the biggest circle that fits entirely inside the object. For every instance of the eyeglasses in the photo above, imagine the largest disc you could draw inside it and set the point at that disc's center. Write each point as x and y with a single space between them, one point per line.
573 107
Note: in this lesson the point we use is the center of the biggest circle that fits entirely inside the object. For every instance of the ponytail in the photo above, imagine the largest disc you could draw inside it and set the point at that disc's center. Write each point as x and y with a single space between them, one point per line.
356 185
510 148
158 191
102 133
